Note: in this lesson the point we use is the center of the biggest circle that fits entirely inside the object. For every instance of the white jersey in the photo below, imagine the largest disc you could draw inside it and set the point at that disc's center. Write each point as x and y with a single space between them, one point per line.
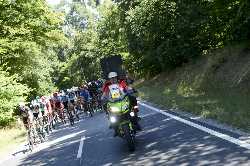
115 91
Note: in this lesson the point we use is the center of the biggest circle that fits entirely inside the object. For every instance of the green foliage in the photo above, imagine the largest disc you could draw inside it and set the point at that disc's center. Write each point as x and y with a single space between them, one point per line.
30 38
241 23
41 48
11 93
215 86
81 57
111 38
78 70
164 34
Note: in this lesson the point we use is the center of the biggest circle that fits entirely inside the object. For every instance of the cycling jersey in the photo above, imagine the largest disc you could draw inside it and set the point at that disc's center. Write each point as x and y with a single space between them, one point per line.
26 115
85 94
110 89
71 97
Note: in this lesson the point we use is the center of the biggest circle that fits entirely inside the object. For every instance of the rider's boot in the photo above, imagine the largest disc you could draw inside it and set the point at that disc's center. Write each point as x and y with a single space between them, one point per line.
138 127
136 124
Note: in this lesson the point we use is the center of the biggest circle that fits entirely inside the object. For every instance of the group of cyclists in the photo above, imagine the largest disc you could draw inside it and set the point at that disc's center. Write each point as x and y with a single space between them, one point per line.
42 113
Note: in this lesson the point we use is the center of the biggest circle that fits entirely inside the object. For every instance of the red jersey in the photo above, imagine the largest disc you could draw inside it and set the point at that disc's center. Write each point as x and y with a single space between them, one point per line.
122 84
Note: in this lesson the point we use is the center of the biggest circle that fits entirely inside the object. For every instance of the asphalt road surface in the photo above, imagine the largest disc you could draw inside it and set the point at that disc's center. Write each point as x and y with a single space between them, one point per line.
164 141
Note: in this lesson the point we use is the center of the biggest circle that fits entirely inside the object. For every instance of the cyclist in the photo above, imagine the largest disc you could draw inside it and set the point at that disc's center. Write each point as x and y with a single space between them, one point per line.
26 115
58 106
84 94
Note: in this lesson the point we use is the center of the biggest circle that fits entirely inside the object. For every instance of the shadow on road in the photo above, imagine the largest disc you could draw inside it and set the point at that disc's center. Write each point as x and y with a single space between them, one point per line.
163 141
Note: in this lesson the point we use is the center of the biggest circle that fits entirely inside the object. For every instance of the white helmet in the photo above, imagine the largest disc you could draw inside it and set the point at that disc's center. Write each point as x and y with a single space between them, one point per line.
112 75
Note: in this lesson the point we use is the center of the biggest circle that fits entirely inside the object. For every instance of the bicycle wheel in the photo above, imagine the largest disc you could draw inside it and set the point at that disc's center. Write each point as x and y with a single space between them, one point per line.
90 110
30 140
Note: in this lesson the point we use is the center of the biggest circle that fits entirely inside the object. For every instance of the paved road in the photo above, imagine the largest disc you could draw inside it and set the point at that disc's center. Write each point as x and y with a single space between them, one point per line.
163 141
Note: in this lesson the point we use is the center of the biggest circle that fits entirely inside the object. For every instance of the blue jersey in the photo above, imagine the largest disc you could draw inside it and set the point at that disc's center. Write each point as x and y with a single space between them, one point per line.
64 98
71 96
85 94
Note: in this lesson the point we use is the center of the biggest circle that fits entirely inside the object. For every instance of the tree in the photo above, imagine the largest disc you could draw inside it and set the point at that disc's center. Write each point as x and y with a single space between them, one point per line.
158 35
81 62
11 93
29 38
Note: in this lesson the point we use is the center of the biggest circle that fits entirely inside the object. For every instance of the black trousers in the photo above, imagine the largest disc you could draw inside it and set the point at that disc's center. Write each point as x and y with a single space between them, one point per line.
132 101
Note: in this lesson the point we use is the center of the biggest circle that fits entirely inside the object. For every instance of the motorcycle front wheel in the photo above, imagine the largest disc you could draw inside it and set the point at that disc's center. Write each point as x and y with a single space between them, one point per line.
129 137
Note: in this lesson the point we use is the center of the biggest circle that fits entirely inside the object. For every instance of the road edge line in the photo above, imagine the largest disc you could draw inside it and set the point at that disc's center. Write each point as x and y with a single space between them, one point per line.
202 128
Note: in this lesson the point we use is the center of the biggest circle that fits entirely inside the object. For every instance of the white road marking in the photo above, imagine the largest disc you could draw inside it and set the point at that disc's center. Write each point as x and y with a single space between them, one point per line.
79 154
228 138
60 139
47 144
143 116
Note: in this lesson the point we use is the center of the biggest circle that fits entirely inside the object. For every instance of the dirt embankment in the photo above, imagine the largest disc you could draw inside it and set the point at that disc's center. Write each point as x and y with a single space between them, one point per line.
216 85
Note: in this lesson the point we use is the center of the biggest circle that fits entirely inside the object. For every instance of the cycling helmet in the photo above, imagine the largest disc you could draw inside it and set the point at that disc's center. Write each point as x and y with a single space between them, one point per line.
43 98
55 94
112 75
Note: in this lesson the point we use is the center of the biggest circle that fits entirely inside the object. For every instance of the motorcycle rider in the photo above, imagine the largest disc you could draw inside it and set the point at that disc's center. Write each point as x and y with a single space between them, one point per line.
132 98
123 89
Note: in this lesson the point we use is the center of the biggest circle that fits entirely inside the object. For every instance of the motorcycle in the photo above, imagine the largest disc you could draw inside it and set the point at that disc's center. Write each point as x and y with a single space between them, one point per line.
121 118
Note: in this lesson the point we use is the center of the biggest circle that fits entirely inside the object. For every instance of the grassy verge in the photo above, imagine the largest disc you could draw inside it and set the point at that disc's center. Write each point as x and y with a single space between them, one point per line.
215 86
10 139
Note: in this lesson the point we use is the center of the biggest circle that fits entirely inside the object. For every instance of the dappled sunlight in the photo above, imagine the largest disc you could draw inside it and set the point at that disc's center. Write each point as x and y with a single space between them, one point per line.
53 154
186 90
213 86
205 102
163 141
62 145
181 151
167 91
167 119
71 55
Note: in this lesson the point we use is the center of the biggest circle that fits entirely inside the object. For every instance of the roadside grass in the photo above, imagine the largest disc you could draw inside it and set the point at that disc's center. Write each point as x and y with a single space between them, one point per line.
10 139
213 87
